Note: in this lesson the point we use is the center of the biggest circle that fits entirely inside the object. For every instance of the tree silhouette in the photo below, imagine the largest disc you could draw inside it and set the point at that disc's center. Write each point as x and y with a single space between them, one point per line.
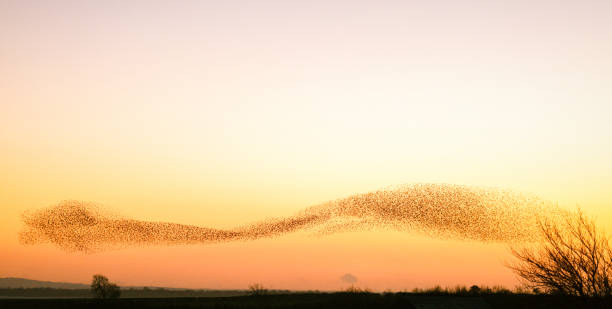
102 288
474 289
574 258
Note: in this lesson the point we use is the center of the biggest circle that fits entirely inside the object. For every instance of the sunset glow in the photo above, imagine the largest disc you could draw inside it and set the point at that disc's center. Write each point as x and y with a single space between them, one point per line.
224 114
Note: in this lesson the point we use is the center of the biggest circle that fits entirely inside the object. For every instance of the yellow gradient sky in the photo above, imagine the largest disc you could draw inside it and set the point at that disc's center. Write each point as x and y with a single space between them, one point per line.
221 113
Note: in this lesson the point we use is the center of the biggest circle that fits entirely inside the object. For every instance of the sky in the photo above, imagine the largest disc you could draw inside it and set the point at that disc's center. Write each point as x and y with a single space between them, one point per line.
222 113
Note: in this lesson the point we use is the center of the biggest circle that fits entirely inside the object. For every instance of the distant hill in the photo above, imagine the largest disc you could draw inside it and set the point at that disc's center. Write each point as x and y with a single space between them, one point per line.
27 288
7 283
28 283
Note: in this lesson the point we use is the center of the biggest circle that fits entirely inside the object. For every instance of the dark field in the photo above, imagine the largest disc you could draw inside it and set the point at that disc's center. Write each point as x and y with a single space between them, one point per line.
316 300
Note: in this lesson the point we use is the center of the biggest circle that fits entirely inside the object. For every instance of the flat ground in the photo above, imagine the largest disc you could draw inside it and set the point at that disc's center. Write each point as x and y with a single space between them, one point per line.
313 300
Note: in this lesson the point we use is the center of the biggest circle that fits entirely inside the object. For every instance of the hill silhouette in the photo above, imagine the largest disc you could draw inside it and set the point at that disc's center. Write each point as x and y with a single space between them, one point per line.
11 282
23 283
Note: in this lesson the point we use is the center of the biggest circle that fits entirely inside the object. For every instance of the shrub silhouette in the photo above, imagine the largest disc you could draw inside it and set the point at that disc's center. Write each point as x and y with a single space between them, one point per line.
356 290
102 288
257 289
474 289
574 259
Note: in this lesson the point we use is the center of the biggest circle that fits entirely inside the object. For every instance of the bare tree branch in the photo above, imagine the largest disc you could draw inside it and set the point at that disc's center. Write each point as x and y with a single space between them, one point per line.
574 258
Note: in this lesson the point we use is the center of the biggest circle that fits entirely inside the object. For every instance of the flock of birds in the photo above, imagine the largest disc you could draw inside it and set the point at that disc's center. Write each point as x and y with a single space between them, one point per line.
436 210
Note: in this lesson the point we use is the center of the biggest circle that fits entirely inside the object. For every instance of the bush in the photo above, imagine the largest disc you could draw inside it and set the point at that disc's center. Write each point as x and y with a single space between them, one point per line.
257 289
474 289
356 290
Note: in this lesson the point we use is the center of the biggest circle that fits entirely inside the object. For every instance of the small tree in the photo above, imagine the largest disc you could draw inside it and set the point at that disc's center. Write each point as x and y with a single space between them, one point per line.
474 289
102 288
575 258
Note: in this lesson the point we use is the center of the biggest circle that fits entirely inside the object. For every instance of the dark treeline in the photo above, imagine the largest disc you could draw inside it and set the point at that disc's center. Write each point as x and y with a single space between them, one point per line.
170 293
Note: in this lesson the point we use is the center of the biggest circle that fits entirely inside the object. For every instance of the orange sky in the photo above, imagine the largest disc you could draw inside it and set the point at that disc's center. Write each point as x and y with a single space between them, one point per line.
223 114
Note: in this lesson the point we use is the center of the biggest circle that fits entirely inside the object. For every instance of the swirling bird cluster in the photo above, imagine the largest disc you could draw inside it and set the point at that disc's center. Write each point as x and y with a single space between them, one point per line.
436 210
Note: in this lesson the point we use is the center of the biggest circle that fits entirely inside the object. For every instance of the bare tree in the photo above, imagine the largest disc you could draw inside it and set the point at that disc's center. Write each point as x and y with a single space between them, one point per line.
102 288
574 258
